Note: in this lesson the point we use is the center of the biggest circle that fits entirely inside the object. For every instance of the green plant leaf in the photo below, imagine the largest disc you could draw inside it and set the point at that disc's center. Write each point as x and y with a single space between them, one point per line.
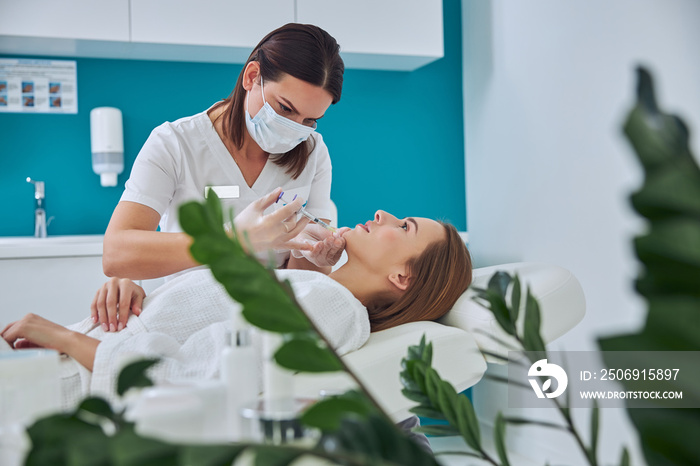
494 299
499 438
670 271
515 300
209 455
417 369
356 436
407 381
375 441
427 356
671 190
97 406
498 283
432 382
280 319
595 421
416 396
499 308
396 447
467 412
272 456
532 340
192 218
415 352
327 414
133 375
446 404
127 448
66 439
625 458
307 356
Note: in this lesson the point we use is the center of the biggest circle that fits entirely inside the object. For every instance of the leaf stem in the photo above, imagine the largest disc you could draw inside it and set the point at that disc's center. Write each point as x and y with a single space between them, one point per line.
571 428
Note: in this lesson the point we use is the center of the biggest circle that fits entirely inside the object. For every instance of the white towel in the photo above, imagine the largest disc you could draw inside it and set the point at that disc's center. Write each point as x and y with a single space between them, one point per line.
184 322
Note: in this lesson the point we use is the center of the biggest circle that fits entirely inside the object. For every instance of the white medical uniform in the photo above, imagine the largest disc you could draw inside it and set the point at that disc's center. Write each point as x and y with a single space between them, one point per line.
184 322
181 158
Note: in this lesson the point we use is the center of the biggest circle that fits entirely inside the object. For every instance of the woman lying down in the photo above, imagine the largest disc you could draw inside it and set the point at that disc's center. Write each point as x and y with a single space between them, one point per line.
398 271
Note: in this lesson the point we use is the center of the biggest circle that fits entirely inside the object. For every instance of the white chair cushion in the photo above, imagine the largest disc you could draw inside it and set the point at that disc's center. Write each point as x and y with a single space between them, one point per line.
377 364
561 299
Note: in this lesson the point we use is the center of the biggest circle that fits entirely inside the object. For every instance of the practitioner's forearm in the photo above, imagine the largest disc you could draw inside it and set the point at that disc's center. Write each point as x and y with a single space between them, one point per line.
134 249
141 255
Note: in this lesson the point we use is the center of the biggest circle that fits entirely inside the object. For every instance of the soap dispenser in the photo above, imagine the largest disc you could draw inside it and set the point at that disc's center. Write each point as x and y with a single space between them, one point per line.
107 144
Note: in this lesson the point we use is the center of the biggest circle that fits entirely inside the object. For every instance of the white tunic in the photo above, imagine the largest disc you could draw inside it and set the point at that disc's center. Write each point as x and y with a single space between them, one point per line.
185 322
181 158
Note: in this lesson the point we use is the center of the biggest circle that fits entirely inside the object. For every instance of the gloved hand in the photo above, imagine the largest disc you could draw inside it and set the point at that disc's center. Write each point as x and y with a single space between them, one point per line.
272 231
327 247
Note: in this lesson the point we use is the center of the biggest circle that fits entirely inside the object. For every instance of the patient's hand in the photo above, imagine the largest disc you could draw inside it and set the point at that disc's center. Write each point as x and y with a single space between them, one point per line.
33 331
327 247
114 301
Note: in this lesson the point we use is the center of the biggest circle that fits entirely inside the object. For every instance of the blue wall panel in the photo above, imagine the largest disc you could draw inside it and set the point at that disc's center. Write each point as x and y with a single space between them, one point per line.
395 138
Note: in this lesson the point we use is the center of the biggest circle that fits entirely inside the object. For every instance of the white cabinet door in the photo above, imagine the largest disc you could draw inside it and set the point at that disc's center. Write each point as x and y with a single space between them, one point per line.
207 22
386 34
60 289
66 19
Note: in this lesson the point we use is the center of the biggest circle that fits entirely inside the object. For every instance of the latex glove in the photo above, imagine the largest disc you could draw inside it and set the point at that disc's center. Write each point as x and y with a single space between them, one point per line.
275 230
327 247
114 301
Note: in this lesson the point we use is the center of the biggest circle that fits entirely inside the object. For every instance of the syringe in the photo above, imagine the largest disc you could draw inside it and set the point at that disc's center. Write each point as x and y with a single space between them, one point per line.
308 215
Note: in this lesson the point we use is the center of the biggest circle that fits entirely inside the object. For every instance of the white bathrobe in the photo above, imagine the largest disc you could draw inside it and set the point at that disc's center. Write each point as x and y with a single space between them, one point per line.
185 321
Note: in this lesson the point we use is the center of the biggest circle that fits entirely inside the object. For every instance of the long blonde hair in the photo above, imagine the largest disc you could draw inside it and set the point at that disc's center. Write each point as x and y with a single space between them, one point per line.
438 277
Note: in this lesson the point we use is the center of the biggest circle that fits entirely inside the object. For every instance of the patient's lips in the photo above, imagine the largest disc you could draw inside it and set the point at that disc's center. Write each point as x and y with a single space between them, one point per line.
364 227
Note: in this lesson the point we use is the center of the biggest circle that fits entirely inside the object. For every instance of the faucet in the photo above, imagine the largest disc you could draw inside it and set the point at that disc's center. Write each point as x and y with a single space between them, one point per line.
39 212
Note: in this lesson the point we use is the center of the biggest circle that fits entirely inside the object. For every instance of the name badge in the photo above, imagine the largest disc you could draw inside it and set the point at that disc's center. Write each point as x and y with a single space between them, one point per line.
224 192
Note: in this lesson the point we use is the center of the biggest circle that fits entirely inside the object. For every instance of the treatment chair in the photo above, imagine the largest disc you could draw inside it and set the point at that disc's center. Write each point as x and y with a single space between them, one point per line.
457 339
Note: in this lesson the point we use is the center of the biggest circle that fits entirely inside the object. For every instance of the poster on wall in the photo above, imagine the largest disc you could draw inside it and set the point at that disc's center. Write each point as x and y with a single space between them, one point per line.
38 86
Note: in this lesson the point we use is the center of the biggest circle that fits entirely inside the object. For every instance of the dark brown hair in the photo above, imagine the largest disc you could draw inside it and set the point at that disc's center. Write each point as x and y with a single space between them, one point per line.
439 276
304 51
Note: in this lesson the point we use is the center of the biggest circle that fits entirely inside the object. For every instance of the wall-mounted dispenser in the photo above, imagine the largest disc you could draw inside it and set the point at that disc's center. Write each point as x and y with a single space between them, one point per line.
107 143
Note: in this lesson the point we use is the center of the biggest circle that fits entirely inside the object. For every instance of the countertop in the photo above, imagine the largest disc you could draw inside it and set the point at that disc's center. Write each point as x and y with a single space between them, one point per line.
23 247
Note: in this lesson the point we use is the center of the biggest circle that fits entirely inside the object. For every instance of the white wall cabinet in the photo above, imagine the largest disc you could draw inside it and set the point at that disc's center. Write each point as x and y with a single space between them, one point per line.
379 34
66 19
207 22
213 30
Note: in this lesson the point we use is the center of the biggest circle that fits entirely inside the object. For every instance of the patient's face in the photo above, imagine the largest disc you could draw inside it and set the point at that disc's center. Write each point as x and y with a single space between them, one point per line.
388 241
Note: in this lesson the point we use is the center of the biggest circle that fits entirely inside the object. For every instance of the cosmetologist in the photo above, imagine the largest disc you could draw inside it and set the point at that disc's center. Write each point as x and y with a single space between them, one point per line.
259 138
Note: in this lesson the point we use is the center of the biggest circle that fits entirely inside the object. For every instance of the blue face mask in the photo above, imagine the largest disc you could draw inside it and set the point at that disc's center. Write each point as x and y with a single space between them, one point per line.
274 133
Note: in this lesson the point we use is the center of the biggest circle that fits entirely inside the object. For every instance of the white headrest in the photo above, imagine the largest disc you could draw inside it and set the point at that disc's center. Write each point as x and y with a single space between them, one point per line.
561 299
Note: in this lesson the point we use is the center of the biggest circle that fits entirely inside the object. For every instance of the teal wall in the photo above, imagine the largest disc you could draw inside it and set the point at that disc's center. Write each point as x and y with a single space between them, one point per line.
395 138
